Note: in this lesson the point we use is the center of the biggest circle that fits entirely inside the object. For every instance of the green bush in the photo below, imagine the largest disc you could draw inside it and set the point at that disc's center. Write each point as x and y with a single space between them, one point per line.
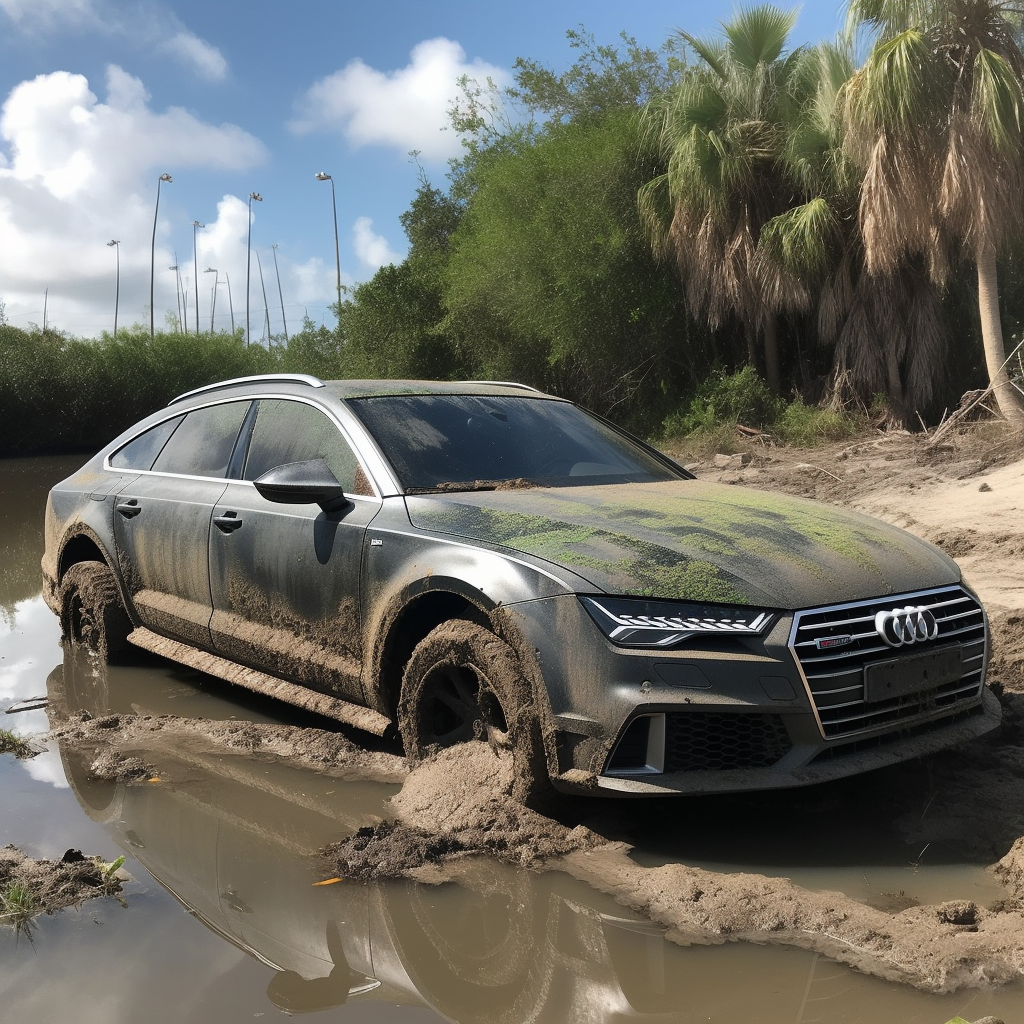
807 425
59 393
741 397
710 416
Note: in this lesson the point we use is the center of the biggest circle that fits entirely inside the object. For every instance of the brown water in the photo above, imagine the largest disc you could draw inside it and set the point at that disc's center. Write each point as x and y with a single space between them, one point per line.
223 923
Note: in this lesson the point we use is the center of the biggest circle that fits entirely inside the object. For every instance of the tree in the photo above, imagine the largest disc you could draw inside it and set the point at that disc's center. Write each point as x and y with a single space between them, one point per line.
936 118
392 324
550 278
721 131
887 330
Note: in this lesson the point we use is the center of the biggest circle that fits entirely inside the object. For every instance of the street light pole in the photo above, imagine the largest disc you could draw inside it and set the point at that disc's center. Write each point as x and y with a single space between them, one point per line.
266 305
213 300
182 324
324 176
195 268
280 294
116 243
231 305
152 254
248 262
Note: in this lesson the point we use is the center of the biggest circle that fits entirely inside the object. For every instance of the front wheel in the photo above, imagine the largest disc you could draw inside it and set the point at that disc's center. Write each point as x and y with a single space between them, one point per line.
91 613
463 683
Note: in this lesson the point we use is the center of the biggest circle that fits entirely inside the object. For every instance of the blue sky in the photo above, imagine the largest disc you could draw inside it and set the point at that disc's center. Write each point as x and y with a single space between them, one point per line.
101 97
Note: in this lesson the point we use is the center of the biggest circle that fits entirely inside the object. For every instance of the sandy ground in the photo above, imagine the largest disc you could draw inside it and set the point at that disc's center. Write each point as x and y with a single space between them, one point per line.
965 495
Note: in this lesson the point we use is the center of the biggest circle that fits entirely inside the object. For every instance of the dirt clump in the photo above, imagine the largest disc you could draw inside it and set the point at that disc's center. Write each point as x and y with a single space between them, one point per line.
390 850
113 766
29 886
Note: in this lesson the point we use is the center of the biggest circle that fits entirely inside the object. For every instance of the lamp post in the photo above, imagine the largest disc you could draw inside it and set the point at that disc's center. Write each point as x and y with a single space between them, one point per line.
213 299
182 324
324 176
248 262
231 305
280 294
152 253
116 243
195 268
266 305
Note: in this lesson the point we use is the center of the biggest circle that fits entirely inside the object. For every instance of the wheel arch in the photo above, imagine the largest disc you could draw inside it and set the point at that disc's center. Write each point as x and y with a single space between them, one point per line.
82 545
428 603
420 609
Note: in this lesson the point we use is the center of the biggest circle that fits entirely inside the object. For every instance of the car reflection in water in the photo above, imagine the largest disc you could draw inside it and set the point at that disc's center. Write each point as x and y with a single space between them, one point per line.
235 839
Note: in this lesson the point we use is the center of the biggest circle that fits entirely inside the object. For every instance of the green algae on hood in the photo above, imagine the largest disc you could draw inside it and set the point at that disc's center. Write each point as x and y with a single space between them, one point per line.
689 540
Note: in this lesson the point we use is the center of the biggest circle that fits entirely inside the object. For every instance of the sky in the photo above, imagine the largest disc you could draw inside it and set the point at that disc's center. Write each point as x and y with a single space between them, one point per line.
102 97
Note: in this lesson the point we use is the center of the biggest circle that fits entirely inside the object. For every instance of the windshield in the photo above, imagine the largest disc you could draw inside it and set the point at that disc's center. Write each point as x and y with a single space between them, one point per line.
471 442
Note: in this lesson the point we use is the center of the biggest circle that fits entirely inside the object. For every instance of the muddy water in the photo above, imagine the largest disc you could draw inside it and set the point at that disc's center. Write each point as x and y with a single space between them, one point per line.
223 922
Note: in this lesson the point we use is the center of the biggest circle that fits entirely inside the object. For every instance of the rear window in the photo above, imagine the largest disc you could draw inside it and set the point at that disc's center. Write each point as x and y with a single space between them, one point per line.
466 442
143 450
203 443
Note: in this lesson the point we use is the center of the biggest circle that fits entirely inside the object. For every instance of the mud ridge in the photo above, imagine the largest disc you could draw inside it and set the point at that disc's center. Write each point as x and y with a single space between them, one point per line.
458 803
113 740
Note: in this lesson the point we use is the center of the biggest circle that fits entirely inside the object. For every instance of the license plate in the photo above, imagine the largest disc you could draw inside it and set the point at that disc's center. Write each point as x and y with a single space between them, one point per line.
912 673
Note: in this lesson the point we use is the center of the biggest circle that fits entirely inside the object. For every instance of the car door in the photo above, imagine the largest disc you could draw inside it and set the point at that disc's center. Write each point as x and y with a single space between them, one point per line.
285 578
162 519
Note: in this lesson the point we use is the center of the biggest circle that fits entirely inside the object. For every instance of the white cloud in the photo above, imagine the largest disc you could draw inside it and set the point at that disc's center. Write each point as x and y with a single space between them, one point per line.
79 172
371 248
406 109
206 60
147 26
33 15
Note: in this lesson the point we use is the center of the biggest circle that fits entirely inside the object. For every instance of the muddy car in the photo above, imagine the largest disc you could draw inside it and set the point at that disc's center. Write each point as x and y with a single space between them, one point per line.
460 560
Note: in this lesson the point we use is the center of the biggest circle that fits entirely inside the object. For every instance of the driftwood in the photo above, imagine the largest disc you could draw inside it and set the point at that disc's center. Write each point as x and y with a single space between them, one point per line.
970 401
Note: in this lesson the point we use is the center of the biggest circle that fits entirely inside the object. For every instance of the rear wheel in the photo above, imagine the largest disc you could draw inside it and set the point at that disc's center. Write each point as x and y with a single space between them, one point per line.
91 613
463 683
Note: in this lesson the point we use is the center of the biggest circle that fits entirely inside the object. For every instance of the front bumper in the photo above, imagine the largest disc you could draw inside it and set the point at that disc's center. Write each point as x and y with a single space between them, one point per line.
716 716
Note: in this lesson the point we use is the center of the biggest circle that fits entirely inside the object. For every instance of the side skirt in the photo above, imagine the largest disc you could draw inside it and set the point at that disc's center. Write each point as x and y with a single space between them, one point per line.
260 682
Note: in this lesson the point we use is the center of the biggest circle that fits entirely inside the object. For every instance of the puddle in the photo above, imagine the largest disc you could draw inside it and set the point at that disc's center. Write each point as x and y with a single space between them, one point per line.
223 922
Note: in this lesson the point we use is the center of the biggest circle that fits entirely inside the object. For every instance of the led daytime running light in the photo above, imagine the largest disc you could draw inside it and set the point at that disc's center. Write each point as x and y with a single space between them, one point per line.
665 630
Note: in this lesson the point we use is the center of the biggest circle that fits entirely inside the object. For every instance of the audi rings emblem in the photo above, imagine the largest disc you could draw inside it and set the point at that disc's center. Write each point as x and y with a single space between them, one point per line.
911 625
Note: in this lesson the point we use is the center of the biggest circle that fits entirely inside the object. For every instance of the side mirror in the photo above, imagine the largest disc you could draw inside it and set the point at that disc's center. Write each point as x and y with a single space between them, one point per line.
303 483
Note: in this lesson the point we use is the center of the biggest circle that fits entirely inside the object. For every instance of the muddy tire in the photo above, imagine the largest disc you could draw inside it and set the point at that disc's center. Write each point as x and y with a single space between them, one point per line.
91 613
464 683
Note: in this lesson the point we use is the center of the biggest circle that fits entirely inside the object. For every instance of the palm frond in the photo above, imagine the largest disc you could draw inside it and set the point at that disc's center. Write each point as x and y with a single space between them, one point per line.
802 241
996 101
758 35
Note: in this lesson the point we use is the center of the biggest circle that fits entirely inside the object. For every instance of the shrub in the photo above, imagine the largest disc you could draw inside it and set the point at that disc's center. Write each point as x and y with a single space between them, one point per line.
709 419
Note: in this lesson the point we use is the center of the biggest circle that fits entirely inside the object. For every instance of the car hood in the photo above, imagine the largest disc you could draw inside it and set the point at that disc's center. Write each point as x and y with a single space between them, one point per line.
696 541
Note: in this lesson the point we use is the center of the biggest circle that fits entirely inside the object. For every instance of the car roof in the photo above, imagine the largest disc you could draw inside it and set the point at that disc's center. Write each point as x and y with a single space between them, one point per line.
297 383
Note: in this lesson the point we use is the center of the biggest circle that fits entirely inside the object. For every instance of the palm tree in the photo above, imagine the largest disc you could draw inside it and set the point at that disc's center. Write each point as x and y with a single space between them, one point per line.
936 118
886 329
720 132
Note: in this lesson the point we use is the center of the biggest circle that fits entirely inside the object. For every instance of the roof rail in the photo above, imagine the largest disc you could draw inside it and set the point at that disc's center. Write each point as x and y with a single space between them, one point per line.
261 378
500 384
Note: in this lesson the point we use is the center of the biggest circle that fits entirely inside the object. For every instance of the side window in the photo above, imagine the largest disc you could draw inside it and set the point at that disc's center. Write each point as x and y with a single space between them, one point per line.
140 452
295 432
202 444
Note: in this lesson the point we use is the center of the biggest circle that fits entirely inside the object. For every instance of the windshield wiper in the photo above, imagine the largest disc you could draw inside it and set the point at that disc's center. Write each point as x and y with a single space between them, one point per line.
517 484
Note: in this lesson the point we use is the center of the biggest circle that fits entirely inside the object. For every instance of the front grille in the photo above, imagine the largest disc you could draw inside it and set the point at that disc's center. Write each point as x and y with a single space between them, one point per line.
705 740
836 676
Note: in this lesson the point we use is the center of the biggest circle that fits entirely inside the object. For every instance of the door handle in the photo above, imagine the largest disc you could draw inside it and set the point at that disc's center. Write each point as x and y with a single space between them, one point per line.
227 522
129 509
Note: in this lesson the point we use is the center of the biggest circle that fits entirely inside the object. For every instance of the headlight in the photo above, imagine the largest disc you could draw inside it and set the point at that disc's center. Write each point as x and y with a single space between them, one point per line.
636 622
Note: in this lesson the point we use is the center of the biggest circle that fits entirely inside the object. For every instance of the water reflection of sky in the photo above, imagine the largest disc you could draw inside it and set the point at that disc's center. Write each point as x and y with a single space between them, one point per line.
29 648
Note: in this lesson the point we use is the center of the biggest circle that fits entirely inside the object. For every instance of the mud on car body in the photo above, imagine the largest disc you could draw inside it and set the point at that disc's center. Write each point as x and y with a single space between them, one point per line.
476 559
